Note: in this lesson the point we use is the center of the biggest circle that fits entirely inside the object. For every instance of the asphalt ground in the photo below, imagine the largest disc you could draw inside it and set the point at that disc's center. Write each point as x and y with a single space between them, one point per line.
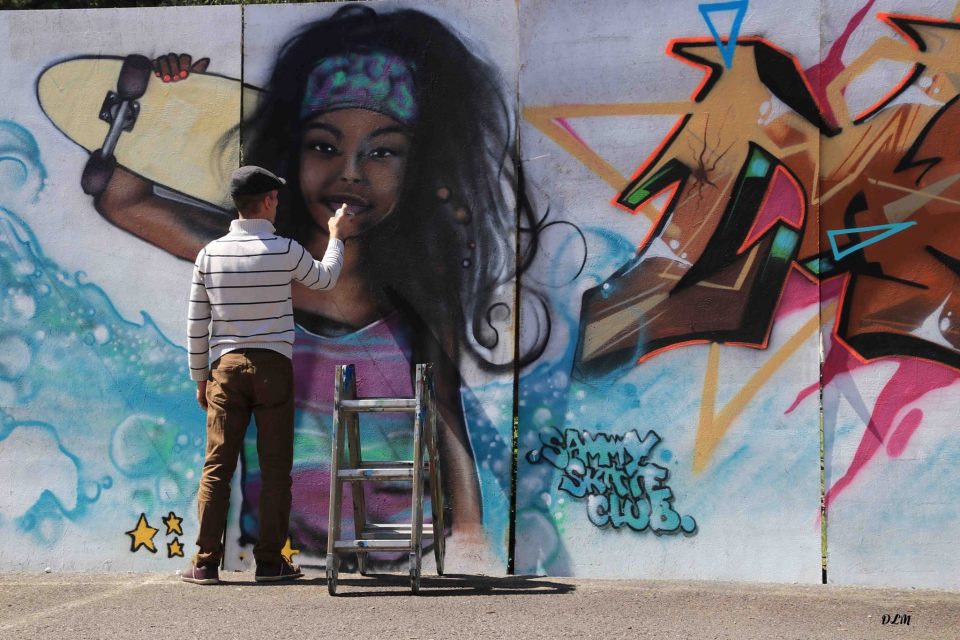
141 605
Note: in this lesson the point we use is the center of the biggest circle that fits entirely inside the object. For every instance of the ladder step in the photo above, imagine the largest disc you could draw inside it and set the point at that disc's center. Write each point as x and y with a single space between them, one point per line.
382 470
385 473
385 464
393 531
379 404
372 545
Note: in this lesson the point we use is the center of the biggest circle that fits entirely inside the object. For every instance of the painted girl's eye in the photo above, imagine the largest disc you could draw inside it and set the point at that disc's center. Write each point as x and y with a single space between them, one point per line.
323 147
385 152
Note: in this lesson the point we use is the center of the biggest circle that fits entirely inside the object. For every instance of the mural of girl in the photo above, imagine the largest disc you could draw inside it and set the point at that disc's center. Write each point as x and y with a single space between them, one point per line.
392 114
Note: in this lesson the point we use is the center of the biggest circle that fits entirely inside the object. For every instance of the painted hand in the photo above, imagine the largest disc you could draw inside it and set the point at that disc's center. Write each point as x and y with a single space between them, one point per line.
173 67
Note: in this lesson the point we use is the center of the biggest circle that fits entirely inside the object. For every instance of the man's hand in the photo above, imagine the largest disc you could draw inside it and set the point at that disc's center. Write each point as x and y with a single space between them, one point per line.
202 394
333 225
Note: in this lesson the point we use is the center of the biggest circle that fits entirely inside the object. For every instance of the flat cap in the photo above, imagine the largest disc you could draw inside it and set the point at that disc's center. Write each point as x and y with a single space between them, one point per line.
252 180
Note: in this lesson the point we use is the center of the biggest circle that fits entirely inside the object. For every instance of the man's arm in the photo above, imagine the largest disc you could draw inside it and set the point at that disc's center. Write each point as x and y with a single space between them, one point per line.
323 274
198 329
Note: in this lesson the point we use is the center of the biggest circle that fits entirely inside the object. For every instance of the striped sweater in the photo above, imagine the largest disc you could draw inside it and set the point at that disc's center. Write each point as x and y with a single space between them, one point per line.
240 295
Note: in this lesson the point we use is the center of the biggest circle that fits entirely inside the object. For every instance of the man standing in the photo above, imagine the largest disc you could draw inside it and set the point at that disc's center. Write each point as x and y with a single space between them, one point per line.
241 319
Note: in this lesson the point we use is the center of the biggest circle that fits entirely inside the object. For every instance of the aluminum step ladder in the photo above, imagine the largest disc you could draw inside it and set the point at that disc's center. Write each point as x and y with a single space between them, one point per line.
346 465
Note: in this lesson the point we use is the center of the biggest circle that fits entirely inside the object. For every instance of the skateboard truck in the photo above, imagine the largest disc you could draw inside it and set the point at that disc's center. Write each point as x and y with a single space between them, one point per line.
120 109
117 111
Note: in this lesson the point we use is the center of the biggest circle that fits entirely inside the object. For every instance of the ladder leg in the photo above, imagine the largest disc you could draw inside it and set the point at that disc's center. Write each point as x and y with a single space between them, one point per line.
333 566
415 573
344 385
356 488
416 511
436 482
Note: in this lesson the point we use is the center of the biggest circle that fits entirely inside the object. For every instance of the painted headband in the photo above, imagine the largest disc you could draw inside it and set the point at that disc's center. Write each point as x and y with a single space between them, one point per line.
377 80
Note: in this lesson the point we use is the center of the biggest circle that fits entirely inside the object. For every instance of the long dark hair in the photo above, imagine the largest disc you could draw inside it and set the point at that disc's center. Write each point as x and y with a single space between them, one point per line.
441 256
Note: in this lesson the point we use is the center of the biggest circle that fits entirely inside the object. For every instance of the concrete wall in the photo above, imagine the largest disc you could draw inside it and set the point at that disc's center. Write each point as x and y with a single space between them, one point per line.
735 230
741 211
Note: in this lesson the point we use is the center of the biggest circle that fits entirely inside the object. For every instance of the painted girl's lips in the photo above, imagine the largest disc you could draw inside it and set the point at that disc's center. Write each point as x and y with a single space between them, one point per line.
354 205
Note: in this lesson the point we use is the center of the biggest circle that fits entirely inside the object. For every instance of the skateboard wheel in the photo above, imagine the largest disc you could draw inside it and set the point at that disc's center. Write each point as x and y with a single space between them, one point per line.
134 76
97 173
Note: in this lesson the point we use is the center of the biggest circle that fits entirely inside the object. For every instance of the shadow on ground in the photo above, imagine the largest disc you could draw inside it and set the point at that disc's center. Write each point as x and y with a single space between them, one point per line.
387 584
448 585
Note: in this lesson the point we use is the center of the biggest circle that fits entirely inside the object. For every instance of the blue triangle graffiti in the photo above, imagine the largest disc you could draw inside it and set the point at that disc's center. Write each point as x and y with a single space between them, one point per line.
887 229
708 8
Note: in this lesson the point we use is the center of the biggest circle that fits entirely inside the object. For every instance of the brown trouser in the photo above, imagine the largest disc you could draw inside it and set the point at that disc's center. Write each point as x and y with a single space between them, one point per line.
245 382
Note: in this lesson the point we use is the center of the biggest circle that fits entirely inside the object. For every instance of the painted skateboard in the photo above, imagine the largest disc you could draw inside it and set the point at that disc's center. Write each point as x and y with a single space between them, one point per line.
182 136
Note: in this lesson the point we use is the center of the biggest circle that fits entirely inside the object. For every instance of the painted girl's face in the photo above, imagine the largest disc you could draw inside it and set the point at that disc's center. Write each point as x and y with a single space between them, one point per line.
353 156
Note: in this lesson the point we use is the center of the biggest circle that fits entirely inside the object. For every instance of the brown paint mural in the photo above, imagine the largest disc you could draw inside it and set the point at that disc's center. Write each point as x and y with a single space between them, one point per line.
738 214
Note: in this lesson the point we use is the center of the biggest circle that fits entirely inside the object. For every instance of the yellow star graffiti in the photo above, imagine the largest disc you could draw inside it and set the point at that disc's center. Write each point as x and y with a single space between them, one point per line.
288 551
142 535
173 524
175 548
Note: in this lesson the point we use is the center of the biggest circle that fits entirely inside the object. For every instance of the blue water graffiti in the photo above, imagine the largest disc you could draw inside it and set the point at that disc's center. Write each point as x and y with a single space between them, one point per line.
98 403
22 174
614 474
548 396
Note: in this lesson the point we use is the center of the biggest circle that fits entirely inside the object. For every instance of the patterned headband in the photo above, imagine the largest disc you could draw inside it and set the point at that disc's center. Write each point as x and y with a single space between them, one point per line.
377 80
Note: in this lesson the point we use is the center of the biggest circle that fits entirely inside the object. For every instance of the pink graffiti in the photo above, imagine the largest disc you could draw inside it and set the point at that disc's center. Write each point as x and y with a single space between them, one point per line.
825 71
798 294
569 129
897 443
784 202
913 379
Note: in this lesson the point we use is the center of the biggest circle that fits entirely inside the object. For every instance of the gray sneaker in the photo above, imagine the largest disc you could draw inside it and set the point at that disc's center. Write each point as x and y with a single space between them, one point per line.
277 571
201 574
